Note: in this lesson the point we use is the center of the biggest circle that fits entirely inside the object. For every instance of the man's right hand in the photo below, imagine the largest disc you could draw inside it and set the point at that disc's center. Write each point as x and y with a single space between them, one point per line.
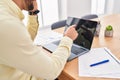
71 32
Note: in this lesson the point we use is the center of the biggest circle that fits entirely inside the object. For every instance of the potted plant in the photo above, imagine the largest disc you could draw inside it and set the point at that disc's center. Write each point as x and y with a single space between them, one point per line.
109 31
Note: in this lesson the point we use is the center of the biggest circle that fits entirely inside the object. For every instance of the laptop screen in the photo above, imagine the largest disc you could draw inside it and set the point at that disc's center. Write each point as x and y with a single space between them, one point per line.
86 30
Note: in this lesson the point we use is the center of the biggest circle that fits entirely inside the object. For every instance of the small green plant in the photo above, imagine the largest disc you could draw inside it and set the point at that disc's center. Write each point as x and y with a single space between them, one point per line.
109 28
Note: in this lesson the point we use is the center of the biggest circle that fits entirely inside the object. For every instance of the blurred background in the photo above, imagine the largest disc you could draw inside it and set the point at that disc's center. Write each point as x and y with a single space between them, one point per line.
55 10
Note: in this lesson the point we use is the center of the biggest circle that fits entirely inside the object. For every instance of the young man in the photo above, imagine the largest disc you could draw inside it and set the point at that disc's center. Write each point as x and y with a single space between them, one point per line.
19 58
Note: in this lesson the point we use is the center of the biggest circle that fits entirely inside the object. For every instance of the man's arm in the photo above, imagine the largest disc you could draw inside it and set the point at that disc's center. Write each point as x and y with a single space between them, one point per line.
21 54
32 25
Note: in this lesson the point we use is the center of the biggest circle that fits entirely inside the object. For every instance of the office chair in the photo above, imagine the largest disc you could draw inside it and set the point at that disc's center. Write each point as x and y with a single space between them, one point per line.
89 16
58 24
63 23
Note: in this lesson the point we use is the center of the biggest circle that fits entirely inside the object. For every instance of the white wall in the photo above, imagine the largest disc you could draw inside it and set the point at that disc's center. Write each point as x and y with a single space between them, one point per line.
112 6
78 8
109 6
116 8
75 8
62 9
49 11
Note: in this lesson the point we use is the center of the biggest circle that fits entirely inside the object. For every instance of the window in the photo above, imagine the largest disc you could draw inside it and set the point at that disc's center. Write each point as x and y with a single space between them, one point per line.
49 12
98 7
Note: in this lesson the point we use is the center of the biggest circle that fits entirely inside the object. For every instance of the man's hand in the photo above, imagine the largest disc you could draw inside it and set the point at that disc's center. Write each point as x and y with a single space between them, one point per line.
35 6
71 32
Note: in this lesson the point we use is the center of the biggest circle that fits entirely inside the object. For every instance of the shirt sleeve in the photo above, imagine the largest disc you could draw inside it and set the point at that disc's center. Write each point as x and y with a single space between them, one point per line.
32 25
20 53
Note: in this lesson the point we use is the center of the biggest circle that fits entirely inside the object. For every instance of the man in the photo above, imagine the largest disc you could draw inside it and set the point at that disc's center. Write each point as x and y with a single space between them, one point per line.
19 58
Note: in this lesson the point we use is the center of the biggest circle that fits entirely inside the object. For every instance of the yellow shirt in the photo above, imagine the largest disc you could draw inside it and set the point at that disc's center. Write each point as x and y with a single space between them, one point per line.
19 58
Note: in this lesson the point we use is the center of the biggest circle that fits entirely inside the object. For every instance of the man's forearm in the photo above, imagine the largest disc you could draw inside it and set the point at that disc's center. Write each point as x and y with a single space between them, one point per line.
32 25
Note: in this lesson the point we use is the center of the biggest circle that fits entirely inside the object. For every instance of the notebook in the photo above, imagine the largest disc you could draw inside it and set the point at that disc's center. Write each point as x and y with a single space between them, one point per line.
86 30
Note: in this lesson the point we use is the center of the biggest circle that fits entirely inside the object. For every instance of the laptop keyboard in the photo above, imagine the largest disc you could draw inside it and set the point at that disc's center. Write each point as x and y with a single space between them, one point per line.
77 50
74 49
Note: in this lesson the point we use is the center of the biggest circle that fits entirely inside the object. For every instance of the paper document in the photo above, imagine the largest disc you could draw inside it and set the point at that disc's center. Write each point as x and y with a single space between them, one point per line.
47 36
109 69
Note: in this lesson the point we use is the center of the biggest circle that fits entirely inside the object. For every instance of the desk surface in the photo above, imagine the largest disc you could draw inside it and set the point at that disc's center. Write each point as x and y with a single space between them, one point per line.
70 71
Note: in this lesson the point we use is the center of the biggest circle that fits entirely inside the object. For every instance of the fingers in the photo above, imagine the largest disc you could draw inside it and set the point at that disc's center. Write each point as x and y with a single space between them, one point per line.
73 26
71 32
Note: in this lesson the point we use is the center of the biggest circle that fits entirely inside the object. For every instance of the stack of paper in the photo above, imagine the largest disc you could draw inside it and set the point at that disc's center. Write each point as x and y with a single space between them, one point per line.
46 36
110 69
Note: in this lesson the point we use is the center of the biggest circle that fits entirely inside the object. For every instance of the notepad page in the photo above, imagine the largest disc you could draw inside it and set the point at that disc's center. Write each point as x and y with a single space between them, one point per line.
47 36
97 55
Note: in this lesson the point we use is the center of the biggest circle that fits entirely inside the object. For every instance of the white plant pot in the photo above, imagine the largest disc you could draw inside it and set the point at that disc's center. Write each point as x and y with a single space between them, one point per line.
108 33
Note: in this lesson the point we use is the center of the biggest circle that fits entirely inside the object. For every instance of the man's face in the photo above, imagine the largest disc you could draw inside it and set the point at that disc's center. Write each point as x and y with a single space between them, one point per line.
28 4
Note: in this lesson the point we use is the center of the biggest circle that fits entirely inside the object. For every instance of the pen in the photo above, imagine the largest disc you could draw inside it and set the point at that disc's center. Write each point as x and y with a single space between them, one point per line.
98 63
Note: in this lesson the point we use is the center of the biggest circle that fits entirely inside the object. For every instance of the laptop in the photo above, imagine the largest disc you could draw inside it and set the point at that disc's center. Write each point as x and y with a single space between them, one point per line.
86 30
